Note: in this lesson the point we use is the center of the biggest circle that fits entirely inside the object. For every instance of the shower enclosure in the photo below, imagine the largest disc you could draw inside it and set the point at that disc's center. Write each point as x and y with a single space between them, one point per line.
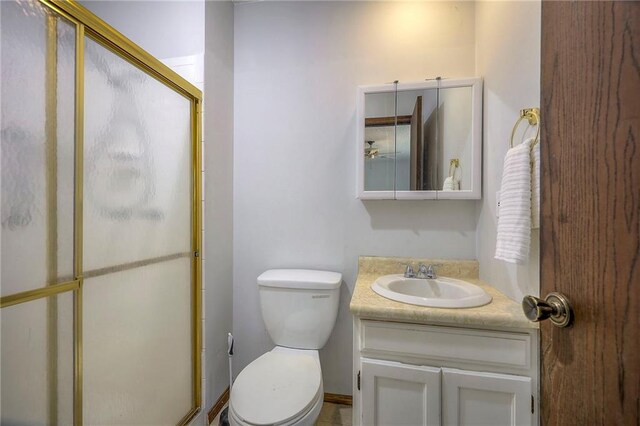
101 186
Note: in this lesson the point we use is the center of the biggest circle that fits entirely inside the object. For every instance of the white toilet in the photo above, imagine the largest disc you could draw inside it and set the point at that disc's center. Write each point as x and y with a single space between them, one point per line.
284 386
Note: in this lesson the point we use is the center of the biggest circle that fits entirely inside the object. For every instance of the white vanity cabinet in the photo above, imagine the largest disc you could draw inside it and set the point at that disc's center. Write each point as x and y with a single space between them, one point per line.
477 398
395 393
411 374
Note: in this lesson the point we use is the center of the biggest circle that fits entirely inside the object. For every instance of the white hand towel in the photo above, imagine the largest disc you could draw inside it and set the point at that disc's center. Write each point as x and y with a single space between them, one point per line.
535 186
451 184
514 222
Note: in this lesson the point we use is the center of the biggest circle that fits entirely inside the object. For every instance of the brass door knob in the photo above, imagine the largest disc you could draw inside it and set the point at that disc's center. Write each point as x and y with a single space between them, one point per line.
555 306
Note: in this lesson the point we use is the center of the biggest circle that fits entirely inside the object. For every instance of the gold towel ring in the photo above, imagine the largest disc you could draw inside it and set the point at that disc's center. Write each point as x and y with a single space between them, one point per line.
453 166
533 117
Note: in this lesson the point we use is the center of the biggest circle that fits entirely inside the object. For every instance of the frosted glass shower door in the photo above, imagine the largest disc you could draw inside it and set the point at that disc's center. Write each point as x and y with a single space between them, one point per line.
100 228
37 124
37 60
138 217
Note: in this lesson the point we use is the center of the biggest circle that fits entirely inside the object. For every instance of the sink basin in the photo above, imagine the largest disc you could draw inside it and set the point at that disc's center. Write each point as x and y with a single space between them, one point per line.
441 292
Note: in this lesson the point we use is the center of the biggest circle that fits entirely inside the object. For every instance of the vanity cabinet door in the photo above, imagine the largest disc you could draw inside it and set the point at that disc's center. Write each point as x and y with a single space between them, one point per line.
399 394
475 398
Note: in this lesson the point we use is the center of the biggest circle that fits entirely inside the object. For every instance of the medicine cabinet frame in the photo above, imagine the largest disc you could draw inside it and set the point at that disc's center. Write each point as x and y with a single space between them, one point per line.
474 193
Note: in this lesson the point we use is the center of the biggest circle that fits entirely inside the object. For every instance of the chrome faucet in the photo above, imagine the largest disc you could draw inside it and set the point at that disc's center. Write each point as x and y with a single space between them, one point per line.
427 271
408 273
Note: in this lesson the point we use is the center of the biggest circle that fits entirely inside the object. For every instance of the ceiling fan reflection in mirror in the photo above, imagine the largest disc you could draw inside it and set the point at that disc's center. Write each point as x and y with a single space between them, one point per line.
371 152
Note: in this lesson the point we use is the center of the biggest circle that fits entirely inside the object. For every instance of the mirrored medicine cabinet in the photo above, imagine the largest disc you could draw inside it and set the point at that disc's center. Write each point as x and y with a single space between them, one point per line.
420 141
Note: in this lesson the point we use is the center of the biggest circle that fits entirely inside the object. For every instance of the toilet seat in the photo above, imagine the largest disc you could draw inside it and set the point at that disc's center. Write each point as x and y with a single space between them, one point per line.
277 388
304 419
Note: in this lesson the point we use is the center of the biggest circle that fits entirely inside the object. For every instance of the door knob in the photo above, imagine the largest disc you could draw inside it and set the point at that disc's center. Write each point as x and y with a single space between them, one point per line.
555 306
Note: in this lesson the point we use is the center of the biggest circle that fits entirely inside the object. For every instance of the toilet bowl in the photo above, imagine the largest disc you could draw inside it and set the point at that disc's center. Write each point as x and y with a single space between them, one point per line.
284 386
281 387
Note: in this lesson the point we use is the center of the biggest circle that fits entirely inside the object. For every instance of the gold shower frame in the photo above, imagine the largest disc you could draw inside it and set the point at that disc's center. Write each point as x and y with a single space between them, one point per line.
86 23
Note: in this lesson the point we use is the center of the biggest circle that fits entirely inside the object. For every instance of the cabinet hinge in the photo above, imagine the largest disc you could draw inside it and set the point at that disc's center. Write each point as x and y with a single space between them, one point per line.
532 404
358 380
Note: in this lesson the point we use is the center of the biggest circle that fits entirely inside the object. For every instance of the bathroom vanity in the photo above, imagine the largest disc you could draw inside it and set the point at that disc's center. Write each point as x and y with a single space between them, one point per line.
440 366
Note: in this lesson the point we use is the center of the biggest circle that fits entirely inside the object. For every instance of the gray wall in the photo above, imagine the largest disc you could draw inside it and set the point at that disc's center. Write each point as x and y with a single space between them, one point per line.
297 66
166 29
218 160
509 60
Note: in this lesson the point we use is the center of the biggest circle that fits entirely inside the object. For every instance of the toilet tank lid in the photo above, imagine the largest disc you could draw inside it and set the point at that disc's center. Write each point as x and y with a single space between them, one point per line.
300 278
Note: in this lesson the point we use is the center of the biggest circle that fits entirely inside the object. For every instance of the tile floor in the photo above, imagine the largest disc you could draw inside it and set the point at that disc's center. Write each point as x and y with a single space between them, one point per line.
334 415
330 415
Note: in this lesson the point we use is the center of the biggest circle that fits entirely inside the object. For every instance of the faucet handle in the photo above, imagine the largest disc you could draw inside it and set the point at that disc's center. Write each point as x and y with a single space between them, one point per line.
427 271
434 265
408 273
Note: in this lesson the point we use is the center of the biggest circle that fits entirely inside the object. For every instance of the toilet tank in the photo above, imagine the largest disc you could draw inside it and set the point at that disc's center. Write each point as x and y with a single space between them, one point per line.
299 306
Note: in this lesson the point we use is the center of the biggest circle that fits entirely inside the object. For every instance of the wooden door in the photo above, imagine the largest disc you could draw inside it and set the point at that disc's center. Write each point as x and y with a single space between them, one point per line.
474 398
416 147
590 231
399 394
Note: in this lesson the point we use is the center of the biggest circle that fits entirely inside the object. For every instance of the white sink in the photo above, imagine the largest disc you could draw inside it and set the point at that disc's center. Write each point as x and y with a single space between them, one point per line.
441 292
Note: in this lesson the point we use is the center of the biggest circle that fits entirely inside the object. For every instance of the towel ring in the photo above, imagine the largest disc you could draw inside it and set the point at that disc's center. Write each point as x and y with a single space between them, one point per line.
453 164
532 115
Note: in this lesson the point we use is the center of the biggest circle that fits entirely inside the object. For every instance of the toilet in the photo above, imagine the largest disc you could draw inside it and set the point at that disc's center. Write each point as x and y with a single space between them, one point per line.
284 386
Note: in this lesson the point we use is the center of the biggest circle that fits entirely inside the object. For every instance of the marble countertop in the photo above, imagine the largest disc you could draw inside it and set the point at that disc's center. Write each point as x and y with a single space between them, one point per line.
502 312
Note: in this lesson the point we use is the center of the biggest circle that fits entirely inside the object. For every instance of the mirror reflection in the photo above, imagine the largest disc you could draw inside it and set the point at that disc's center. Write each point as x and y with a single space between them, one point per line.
455 140
419 140
380 141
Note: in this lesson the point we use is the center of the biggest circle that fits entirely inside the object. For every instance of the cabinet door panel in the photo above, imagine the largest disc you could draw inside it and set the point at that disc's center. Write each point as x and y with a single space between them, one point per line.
474 398
399 394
